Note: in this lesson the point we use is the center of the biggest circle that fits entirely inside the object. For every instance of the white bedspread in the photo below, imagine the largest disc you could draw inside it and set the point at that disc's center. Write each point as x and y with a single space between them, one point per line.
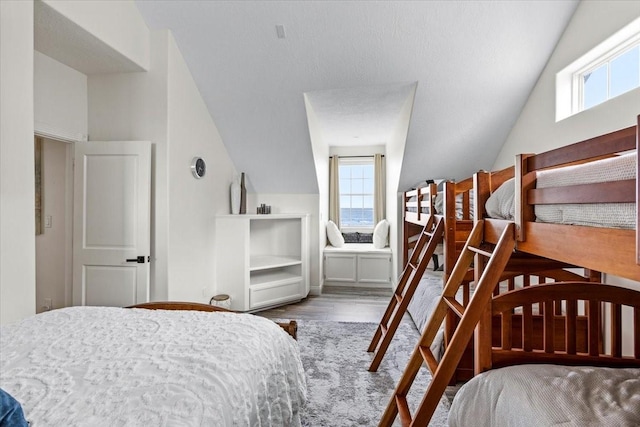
100 366
615 215
549 395
501 204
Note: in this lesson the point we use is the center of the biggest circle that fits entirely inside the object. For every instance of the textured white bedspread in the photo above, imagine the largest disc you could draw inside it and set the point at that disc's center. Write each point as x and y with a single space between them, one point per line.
549 395
102 366
616 215
501 204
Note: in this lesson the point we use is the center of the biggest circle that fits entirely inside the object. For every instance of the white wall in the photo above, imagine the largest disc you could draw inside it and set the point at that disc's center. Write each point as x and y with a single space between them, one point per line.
394 156
60 104
17 183
53 267
193 202
164 107
116 23
536 129
318 229
133 106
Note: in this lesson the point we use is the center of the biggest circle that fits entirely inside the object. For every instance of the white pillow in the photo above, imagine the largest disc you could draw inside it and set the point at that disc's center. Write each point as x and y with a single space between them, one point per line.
380 234
501 204
334 235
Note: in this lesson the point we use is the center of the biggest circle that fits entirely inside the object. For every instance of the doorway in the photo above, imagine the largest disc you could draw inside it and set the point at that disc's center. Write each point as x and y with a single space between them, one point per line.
55 224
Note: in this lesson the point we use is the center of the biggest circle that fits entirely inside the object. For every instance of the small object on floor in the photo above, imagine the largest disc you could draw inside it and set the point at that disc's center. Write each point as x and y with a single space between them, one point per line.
221 300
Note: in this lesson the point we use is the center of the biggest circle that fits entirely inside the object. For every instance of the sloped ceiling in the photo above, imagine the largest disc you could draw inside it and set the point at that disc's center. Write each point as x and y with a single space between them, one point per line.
475 63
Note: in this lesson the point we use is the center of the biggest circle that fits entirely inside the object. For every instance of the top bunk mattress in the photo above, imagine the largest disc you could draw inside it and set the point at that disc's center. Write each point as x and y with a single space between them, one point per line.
501 204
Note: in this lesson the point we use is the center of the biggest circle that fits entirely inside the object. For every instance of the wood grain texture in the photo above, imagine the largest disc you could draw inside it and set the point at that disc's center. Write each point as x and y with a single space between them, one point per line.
290 327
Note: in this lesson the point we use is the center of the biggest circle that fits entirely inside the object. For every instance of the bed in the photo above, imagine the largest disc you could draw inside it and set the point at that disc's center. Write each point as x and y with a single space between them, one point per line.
576 204
556 340
458 204
455 202
591 175
560 384
105 366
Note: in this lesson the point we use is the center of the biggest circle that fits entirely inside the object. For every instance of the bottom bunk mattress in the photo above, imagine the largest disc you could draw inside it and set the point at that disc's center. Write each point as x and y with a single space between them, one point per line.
107 366
423 303
549 395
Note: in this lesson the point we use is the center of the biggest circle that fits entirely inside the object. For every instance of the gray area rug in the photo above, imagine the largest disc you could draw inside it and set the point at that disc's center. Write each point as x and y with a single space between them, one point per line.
341 392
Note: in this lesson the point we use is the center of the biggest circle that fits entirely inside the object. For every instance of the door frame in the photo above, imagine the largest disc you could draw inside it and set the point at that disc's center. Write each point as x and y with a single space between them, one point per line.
63 137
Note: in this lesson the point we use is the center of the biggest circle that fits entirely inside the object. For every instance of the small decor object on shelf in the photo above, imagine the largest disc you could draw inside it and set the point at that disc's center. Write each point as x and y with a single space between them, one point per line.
243 195
263 209
222 300
235 196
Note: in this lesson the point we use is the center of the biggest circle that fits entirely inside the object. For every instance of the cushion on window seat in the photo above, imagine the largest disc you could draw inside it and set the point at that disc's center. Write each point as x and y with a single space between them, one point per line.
358 237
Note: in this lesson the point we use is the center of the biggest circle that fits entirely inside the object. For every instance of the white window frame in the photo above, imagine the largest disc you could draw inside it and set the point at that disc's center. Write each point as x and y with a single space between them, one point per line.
355 160
569 86
578 76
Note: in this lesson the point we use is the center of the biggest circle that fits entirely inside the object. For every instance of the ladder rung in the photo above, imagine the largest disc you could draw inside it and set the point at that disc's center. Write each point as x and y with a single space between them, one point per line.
413 266
428 357
398 298
427 233
383 329
480 251
403 410
454 305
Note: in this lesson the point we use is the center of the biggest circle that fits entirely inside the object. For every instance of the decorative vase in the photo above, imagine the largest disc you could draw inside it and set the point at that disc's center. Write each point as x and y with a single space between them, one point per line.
243 195
235 196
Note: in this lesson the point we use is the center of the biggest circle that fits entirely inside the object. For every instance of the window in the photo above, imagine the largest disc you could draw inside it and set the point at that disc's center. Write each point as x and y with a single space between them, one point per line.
356 192
610 69
610 77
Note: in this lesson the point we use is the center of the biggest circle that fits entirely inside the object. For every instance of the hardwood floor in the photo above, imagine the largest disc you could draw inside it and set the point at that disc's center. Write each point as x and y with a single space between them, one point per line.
340 304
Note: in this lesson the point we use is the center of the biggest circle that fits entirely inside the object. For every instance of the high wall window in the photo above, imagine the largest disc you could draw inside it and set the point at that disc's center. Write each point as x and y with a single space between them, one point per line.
609 77
356 192
610 69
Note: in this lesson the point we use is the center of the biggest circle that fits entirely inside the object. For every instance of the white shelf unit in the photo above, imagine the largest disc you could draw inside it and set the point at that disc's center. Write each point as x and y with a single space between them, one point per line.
262 260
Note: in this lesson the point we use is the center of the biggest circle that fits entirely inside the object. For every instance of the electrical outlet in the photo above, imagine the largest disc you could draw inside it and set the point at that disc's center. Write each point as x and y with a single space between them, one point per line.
48 305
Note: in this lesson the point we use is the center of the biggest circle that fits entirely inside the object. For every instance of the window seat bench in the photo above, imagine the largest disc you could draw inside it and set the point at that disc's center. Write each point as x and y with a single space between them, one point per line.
357 265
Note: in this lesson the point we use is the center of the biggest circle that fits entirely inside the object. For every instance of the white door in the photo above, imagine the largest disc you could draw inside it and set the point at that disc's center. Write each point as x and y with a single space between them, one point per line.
111 222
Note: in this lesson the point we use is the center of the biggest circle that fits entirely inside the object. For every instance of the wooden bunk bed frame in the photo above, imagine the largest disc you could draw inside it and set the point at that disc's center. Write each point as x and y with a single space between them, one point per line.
418 208
613 251
419 204
459 207
524 268
610 250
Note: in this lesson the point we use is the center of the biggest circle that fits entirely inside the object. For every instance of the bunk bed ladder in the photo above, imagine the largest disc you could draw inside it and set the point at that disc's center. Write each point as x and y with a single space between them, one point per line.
429 238
469 317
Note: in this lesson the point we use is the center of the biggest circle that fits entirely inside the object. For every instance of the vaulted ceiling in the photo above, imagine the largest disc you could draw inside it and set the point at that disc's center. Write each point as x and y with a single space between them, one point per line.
475 64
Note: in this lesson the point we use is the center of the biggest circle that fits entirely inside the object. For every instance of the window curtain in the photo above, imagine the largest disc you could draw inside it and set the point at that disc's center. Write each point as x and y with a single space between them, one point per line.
334 190
379 197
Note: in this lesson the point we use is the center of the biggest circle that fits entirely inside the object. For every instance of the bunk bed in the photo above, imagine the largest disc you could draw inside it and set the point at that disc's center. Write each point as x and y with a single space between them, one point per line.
457 204
454 203
154 364
582 242
559 385
418 206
